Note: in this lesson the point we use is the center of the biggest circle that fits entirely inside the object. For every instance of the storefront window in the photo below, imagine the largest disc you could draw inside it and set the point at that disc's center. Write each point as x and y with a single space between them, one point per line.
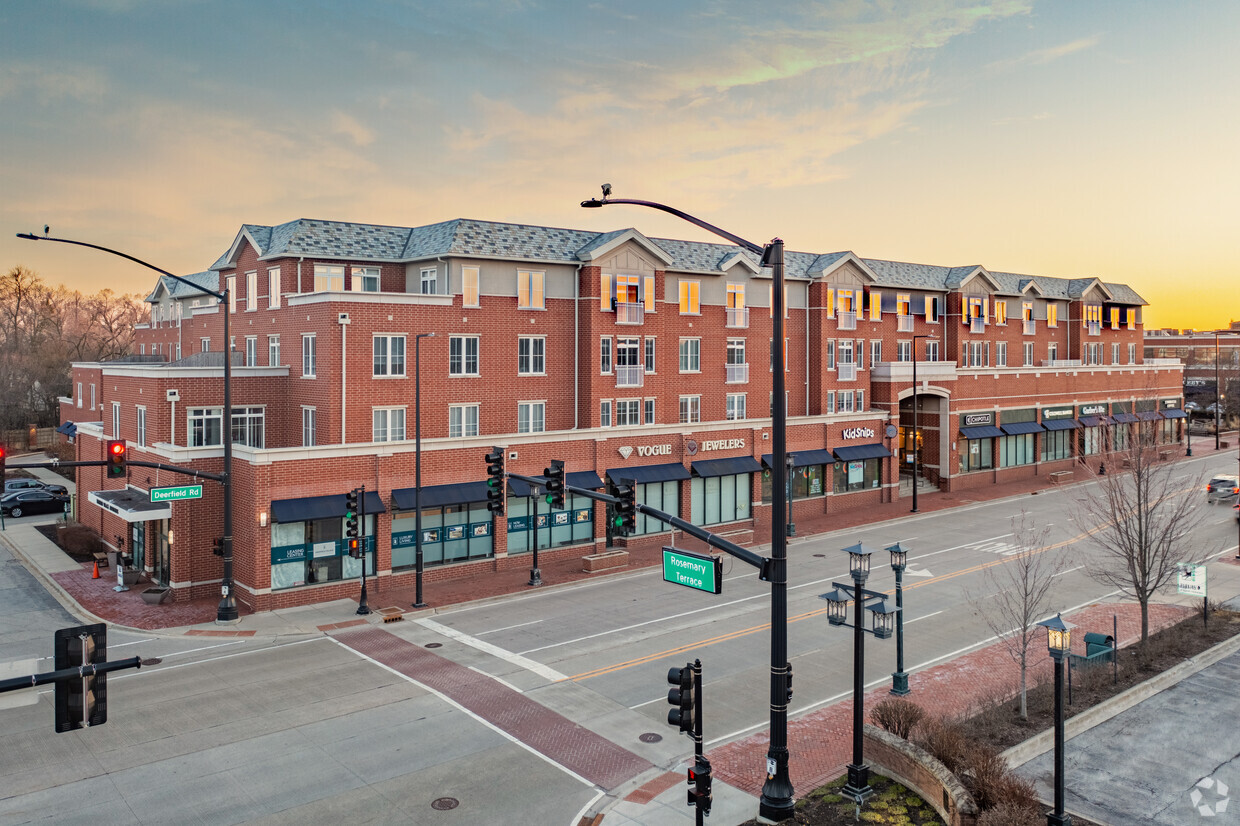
807 481
1016 450
1056 444
1120 436
862 474
977 454
571 526
453 533
1090 441
664 496
718 499
1167 431
304 553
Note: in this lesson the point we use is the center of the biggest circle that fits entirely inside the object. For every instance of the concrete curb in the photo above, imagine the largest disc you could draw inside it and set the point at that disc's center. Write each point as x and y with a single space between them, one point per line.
54 588
1039 744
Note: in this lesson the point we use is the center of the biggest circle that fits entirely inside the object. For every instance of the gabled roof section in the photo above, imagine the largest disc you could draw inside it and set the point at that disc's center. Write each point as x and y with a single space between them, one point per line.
177 289
823 265
258 237
739 257
957 277
1123 294
1077 287
610 241
912 276
1029 286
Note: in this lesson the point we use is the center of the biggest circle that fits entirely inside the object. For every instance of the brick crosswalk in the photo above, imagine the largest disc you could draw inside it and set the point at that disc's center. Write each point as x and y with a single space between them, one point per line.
578 749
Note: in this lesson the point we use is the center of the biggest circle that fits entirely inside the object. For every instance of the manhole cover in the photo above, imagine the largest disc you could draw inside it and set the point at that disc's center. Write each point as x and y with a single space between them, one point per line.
443 804
650 737
436 645
820 555
153 661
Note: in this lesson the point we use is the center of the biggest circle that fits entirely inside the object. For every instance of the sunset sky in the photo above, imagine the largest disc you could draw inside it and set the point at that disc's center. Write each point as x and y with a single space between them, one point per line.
1071 139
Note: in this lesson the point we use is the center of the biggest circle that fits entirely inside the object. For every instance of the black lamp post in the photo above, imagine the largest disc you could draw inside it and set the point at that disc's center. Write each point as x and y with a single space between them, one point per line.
776 802
792 528
1058 640
858 786
916 424
899 561
1218 394
535 571
417 460
227 609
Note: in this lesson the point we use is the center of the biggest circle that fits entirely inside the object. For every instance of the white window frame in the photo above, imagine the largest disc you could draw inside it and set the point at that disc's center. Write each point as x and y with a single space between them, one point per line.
460 425
251 351
1028 354
649 351
735 407
116 420
689 297
308 425
932 350
364 278
384 362
1000 354
428 276
648 410
690 409
273 288
79 395
605 356
459 356
531 290
533 361
141 425
309 355
628 412
231 286
690 355
876 352
384 426
604 413
251 291
273 350
253 422
204 344
471 282
328 278
203 416
532 417
92 395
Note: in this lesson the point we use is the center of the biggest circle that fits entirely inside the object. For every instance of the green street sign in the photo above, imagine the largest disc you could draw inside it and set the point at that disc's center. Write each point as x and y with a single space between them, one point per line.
702 572
176 494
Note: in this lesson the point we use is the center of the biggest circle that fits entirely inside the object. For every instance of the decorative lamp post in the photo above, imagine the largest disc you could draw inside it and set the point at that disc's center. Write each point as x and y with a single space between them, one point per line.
417 460
776 802
916 431
1059 641
1218 394
899 561
792 528
858 786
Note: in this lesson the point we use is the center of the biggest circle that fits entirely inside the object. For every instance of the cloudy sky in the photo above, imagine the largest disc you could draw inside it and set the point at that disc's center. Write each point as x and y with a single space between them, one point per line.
1047 137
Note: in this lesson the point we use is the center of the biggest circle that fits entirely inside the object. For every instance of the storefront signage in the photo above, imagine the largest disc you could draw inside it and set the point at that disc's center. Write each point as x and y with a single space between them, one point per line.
702 572
858 433
319 549
1093 409
176 494
1121 407
722 444
1170 404
1198 383
334 547
977 419
654 450
1050 414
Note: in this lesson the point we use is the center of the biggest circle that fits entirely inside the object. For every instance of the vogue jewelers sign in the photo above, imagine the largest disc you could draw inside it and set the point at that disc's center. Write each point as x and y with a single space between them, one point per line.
721 444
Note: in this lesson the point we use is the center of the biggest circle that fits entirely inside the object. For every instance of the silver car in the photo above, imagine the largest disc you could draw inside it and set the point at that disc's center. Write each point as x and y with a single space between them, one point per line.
1223 488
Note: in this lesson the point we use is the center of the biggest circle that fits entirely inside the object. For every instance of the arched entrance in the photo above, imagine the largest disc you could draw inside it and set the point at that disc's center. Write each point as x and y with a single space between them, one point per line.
926 442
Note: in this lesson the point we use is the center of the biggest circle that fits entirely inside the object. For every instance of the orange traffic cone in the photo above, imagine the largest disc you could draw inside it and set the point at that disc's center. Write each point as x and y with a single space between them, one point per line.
95 575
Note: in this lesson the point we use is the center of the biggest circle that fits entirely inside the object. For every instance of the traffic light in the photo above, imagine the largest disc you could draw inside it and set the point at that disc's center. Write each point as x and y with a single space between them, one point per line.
495 480
700 778
555 484
626 510
350 514
116 458
81 701
217 546
3 454
355 548
681 698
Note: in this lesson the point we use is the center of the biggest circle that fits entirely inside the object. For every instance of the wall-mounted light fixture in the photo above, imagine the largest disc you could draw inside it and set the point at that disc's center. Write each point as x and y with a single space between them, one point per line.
262 518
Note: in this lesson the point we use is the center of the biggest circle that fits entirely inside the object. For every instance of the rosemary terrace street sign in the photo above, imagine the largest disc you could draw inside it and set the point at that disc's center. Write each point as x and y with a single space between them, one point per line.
702 572
176 494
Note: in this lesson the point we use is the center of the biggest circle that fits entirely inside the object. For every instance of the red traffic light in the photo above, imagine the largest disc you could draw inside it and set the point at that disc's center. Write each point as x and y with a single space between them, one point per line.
116 458
117 448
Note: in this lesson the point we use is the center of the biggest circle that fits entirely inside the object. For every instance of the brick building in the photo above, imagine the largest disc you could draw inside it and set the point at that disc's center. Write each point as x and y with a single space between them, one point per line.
623 355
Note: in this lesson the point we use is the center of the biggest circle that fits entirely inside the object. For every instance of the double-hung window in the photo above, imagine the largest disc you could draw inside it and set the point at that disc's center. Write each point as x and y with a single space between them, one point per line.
273 288
531 356
690 409
205 426
463 356
649 408
1001 354
604 413
328 278
462 421
469 286
309 355
428 280
388 424
1132 354
904 351
141 426
204 344
876 352
530 290
628 412
690 298
247 426
251 291
251 351
932 351
389 355
649 345
690 355
736 406
604 354
531 417
1028 353
307 426
366 279
116 420
273 350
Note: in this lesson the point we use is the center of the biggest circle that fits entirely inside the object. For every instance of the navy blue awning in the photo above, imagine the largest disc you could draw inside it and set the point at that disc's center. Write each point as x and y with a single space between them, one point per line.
726 467
1094 421
438 496
1021 428
1148 415
1176 413
856 453
1124 418
984 431
1062 424
68 429
803 458
587 479
644 474
320 507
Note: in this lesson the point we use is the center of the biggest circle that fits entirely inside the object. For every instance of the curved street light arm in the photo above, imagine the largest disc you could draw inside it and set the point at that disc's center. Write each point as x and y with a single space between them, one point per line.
722 233
29 236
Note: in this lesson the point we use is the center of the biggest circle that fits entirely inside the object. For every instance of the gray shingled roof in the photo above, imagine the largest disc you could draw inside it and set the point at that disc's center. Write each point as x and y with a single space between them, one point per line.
177 289
465 237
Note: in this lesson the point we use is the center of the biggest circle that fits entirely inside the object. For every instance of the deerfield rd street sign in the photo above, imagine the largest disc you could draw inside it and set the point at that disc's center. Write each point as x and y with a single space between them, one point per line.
702 572
176 494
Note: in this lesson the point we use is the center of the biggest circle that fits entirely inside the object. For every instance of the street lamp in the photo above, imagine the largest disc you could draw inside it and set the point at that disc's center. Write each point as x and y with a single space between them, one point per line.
792 528
776 802
858 786
227 609
916 424
1059 641
899 561
1218 394
417 461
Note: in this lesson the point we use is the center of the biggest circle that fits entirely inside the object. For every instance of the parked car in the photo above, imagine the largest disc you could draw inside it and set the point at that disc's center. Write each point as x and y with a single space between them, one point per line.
1191 406
1223 488
26 502
59 490
22 484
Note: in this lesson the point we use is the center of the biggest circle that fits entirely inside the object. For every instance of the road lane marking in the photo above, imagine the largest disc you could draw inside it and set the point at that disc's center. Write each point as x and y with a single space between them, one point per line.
508 628
162 668
922 617
1070 570
499 680
546 672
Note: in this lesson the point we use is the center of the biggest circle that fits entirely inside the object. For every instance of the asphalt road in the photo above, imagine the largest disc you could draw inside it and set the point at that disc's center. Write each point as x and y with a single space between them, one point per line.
302 729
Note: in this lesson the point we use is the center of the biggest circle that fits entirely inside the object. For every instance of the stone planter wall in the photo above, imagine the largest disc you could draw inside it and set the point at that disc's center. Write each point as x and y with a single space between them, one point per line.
918 770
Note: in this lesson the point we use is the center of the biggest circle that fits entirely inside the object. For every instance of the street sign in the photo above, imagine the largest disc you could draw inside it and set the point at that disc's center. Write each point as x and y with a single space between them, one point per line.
176 494
702 572
1192 580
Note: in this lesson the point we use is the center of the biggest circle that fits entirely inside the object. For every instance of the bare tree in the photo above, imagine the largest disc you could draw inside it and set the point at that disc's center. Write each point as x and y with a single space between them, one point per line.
1021 586
1140 517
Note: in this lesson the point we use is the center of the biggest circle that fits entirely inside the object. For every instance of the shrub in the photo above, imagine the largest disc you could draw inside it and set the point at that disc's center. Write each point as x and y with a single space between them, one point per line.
986 772
897 716
81 540
944 739
1011 813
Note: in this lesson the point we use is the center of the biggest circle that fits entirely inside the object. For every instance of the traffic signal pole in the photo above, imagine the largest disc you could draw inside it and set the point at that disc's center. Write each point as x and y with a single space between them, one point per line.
75 673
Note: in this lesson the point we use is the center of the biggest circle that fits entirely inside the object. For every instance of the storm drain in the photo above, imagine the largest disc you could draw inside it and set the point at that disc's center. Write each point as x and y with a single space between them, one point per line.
444 804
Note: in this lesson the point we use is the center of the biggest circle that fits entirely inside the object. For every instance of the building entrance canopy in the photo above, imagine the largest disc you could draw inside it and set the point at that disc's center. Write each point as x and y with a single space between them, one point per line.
130 504
856 453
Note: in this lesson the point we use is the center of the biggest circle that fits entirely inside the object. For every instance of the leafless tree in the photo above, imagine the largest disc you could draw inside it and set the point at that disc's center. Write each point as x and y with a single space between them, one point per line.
1020 587
1140 517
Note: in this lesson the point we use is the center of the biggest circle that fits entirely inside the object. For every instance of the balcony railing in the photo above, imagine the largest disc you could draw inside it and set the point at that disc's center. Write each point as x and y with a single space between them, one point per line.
630 375
738 317
846 320
904 323
627 313
1094 327
738 373
846 372
977 325
1063 363
1030 326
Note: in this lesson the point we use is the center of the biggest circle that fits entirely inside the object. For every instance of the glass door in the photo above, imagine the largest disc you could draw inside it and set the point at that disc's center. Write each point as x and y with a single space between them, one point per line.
137 544
162 573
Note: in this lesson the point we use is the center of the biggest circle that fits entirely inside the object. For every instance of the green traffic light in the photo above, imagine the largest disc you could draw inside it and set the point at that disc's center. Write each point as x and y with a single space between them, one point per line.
619 521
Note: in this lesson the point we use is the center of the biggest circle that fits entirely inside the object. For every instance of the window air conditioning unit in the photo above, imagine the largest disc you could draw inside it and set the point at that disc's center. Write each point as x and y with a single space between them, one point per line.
174 395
